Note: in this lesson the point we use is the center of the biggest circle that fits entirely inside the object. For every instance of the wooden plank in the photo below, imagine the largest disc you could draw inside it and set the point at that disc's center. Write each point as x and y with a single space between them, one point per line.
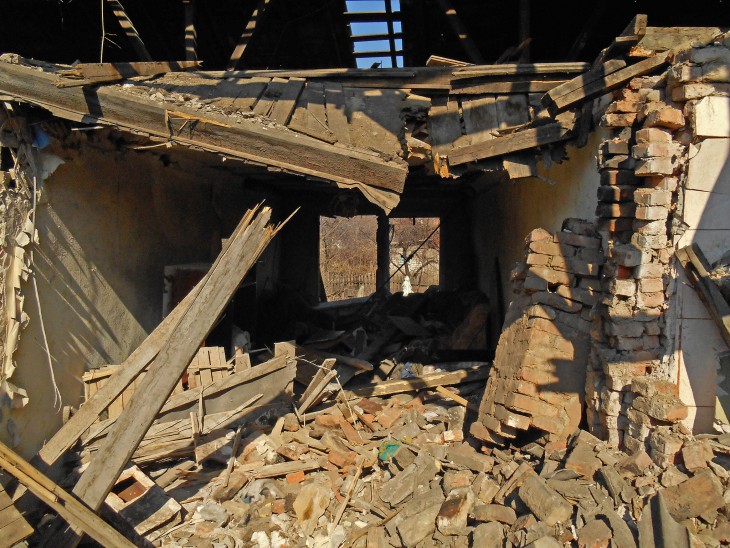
269 97
284 107
594 75
242 250
606 84
95 73
336 112
247 139
320 380
521 140
509 86
129 31
70 509
247 34
190 396
419 383
310 116
513 111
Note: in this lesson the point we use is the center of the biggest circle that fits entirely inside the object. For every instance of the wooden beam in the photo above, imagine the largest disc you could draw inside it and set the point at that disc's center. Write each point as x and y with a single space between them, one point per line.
431 380
520 140
191 35
603 85
391 34
61 502
459 29
247 139
597 74
129 31
240 48
242 249
96 73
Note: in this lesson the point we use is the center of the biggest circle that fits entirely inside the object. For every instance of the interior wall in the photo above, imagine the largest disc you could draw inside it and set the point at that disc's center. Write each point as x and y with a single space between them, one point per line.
108 224
697 337
503 215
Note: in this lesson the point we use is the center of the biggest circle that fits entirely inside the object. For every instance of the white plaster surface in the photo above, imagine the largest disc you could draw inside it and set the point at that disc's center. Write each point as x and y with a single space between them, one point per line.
711 117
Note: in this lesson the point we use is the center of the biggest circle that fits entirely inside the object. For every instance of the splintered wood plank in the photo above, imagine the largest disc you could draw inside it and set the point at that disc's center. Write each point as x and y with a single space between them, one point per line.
240 253
284 107
310 116
444 123
270 96
413 384
239 95
337 112
593 75
480 118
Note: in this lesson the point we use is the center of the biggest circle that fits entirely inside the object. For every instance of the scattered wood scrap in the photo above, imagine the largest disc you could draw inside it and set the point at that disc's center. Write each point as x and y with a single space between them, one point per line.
68 507
241 251
14 528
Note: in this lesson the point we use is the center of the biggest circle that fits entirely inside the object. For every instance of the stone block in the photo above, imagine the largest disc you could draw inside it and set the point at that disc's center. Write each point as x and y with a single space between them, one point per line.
711 117
694 497
454 512
488 535
544 502
494 512
696 455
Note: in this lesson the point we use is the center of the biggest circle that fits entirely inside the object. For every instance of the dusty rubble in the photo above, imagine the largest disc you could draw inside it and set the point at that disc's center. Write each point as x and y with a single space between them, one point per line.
398 471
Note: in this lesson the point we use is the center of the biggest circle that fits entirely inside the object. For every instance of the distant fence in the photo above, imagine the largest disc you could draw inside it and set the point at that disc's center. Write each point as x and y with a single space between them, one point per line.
341 285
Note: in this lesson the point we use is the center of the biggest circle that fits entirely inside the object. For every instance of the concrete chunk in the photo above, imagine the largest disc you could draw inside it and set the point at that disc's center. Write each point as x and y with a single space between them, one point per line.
544 502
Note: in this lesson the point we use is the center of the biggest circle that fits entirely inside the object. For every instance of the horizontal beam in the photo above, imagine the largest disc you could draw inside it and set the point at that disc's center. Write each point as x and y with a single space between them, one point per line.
245 139
366 54
376 37
370 16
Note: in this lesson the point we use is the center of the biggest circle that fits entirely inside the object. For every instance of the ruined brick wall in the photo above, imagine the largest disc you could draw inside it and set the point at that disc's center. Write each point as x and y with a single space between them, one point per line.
622 336
539 372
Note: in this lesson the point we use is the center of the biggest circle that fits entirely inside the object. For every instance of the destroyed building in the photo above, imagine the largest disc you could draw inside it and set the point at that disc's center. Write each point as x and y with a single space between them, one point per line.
175 370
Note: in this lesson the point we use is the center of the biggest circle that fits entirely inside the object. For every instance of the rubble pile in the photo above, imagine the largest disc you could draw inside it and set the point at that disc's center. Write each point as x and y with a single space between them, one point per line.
398 471
538 371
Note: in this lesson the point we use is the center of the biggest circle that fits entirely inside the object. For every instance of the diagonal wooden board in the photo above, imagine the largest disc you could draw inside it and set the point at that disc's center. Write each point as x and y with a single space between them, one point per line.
244 247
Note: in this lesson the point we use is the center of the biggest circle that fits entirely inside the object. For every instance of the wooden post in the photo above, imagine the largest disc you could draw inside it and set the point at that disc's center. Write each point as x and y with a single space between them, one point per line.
382 240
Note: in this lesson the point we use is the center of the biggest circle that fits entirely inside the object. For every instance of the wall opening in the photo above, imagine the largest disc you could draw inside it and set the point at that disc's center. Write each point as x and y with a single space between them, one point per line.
415 249
347 257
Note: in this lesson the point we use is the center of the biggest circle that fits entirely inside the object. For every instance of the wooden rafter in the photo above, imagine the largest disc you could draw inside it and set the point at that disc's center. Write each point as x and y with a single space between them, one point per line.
129 31
459 29
240 49
191 35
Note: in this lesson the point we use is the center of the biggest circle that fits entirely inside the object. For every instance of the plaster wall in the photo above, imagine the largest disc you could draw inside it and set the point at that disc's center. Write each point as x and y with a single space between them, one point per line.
503 215
108 224
698 339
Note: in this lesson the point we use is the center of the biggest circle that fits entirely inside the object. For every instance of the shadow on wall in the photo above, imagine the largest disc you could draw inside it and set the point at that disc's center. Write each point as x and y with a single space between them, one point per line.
107 227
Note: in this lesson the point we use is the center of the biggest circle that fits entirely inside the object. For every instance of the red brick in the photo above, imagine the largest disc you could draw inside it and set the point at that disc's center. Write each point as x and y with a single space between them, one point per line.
530 405
296 477
668 117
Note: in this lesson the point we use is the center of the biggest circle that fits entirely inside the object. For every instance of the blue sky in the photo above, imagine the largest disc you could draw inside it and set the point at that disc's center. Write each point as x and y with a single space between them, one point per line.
374 28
